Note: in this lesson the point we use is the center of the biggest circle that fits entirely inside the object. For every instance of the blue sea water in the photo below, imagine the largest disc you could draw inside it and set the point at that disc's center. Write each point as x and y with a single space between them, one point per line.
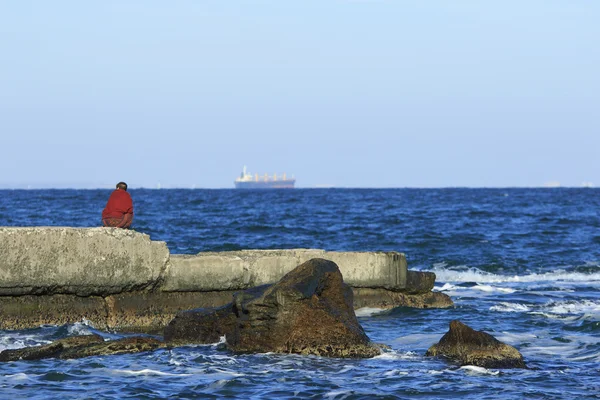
520 264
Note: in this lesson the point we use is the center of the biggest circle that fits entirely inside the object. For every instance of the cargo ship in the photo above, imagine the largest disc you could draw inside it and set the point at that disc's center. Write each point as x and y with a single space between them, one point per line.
248 181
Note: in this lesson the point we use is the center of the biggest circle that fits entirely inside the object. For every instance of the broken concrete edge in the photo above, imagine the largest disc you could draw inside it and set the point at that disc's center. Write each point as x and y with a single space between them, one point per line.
108 261
239 270
79 261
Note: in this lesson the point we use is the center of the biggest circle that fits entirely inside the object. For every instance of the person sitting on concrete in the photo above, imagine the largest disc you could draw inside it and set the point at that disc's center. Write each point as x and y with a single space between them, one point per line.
118 212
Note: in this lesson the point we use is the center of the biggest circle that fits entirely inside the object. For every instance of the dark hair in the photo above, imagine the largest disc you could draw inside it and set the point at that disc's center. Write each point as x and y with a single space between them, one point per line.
122 185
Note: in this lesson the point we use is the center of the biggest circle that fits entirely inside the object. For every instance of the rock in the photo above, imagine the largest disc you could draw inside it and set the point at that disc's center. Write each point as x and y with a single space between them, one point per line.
82 346
470 347
49 350
309 311
200 326
128 345
419 282
386 299
207 325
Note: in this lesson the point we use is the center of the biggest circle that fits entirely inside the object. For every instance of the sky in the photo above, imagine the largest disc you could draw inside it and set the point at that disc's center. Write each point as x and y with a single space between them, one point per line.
352 93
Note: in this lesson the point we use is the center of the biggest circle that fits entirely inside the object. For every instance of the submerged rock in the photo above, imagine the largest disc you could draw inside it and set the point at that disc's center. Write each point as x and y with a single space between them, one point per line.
309 311
470 347
200 326
386 299
49 350
82 346
128 345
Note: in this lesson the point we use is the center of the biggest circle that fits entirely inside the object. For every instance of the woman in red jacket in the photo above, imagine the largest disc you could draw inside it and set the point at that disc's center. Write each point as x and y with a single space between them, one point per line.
118 212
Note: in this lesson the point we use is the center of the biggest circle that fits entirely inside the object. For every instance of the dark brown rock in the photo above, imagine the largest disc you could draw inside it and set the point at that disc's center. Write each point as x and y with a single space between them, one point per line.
23 312
200 326
82 346
206 325
122 346
419 282
467 346
309 311
53 349
382 298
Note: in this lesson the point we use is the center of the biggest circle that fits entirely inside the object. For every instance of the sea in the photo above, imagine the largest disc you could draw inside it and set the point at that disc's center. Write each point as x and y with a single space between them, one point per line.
522 264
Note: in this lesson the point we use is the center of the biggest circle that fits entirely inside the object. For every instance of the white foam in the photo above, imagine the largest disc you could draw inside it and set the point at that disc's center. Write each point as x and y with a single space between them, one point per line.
446 287
19 341
341 393
491 289
222 340
473 291
368 311
224 371
565 318
516 338
584 307
394 355
80 328
472 369
17 377
465 274
218 384
510 307
552 348
395 372
173 361
146 371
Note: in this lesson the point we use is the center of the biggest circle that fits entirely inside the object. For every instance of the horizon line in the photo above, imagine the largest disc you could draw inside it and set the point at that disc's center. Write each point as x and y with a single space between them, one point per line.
317 187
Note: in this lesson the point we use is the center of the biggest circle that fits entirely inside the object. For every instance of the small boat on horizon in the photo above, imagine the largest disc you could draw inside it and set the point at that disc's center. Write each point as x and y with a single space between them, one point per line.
247 181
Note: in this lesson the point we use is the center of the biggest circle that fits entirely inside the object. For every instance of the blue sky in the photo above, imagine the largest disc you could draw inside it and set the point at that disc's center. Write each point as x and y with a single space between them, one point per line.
341 93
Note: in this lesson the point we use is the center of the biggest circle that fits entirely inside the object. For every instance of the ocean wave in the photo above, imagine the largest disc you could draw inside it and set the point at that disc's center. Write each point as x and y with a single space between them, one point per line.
369 311
472 369
568 310
589 308
84 327
510 307
338 394
476 290
19 376
146 371
423 339
395 372
515 338
18 341
472 274
396 355
569 347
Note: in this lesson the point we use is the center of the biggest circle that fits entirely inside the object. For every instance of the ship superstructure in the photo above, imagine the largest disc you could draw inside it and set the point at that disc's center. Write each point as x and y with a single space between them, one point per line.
248 181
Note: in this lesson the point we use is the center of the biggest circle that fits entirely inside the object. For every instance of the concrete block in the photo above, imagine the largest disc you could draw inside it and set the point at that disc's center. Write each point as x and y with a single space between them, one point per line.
80 261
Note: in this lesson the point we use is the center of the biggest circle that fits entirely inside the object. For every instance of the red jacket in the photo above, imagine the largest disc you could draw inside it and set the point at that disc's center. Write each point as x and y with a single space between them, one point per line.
119 203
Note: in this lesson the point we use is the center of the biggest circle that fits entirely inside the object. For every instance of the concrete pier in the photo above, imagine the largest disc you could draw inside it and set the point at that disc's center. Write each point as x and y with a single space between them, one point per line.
121 280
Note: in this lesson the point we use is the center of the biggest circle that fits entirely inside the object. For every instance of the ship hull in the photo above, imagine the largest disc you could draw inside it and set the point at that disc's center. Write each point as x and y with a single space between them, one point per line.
280 184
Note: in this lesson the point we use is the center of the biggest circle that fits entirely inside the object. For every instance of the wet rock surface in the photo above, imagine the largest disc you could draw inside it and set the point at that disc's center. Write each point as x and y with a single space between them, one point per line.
386 299
82 346
122 346
201 326
309 311
49 350
467 346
